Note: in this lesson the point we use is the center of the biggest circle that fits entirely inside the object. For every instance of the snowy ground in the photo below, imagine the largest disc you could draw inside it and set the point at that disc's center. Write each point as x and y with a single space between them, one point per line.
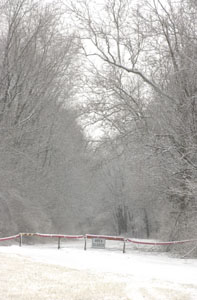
43 272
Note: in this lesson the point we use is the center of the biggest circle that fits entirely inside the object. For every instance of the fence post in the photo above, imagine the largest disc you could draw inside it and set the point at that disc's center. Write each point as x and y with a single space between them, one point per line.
85 243
124 246
20 240
59 242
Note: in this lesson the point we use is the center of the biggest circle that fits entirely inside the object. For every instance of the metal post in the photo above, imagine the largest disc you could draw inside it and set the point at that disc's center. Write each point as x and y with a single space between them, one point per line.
124 247
59 242
85 243
20 240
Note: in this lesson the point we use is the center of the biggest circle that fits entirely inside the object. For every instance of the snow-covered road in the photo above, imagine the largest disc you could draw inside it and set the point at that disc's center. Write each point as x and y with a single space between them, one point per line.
138 275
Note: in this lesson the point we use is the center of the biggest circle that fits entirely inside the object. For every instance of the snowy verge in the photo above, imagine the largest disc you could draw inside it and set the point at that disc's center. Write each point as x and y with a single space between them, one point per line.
145 275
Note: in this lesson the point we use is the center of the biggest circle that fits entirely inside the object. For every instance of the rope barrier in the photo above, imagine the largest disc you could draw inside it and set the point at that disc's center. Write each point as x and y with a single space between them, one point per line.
10 237
93 236
59 236
160 243
105 237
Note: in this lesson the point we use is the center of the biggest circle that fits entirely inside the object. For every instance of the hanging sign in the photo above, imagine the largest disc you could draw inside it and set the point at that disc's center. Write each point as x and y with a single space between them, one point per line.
98 243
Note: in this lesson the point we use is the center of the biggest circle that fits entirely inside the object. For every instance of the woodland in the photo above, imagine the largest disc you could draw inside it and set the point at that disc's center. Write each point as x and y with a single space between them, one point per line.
98 118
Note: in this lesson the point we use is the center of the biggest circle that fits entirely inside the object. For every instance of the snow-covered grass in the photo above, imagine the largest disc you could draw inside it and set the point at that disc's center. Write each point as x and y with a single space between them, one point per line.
43 272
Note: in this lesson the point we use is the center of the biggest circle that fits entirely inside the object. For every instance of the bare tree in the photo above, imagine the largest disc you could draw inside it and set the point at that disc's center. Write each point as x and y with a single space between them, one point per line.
143 62
38 76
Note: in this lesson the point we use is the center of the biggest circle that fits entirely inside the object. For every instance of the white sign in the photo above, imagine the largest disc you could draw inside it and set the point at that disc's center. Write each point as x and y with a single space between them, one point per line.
98 243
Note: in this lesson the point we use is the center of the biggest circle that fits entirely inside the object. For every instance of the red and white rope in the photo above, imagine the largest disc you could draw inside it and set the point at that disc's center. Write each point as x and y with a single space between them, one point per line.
160 243
60 236
106 237
10 237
